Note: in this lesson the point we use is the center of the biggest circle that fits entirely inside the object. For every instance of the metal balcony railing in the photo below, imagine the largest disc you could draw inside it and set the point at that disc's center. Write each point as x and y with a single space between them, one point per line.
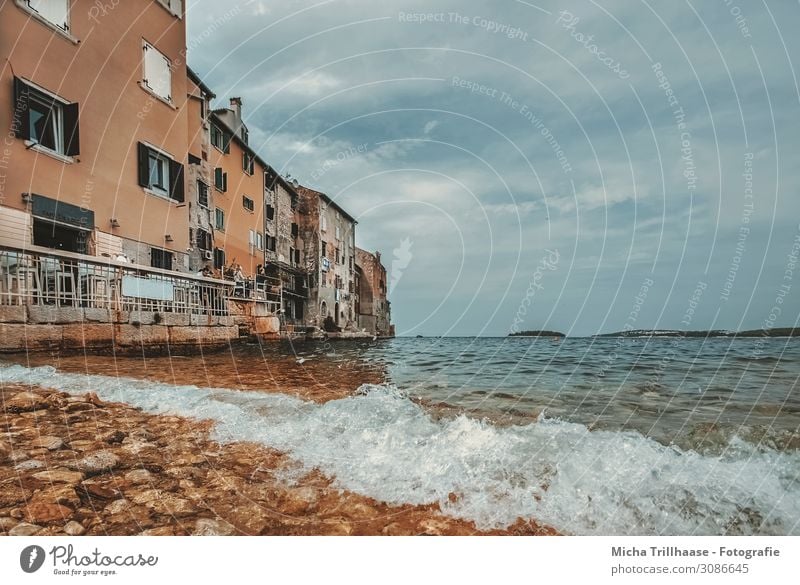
38 276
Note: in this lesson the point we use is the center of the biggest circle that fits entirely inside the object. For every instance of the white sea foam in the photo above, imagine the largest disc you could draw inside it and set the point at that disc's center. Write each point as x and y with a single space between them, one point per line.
381 444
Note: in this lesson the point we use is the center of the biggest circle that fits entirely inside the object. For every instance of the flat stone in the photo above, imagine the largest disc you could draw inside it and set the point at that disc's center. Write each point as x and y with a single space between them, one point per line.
98 462
101 491
64 495
42 512
24 529
5 451
159 531
117 506
59 476
30 465
13 314
172 505
23 337
25 402
139 476
50 315
114 437
7 523
48 442
146 497
74 528
211 527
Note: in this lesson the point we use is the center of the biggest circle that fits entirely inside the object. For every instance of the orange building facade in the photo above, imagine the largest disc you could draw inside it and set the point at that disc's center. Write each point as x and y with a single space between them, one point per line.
95 122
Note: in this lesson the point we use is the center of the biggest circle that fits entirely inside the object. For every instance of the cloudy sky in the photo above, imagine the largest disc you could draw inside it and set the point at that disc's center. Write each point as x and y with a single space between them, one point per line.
585 167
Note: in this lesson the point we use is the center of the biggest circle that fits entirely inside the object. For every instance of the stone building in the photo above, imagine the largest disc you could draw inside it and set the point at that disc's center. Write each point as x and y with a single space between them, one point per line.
329 235
373 307
285 257
199 175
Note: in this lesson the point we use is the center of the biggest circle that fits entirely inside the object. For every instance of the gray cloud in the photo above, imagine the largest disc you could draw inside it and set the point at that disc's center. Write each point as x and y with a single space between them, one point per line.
557 151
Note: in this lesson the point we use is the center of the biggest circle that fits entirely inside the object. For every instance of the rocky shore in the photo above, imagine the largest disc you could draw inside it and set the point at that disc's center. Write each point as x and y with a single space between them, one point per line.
73 465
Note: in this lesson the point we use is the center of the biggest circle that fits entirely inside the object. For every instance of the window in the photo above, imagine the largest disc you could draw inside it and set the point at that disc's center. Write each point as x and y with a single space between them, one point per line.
248 204
161 258
297 256
338 233
324 223
157 72
53 11
338 282
252 240
219 219
271 242
259 240
270 212
220 180
203 239
246 138
45 120
159 173
291 256
220 139
202 194
219 258
174 6
295 230
248 161
324 249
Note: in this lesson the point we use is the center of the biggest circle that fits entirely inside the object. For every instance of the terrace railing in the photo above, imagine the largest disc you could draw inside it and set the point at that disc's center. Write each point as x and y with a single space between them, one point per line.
38 276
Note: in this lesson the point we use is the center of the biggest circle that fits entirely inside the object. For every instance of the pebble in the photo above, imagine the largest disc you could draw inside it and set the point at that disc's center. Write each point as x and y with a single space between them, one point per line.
24 529
74 528
98 462
48 442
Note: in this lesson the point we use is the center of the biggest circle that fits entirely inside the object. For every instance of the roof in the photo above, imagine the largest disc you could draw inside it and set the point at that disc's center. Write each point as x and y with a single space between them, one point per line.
199 82
328 200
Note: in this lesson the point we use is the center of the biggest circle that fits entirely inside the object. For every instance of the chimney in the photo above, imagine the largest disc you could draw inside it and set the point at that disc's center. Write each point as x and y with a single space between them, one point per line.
236 106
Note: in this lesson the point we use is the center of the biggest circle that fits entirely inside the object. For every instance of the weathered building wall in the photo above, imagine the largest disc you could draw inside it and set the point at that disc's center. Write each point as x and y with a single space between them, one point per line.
199 176
374 306
113 115
75 329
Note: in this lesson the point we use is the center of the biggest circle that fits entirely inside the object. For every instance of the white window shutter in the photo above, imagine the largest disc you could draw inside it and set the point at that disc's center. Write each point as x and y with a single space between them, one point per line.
55 11
157 72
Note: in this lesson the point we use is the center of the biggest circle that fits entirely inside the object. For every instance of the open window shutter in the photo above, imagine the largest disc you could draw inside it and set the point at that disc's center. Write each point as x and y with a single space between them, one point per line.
218 178
224 181
21 98
176 180
71 135
226 137
144 165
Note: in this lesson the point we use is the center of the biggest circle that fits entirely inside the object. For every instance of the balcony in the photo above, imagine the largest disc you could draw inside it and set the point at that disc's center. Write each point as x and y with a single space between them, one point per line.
43 277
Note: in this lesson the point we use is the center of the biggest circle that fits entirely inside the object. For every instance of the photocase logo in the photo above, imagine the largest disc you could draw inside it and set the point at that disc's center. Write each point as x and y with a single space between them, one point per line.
31 558
402 258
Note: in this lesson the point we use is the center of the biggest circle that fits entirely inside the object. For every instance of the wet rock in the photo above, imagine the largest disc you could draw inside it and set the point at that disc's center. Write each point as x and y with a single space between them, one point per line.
433 527
159 531
298 501
139 476
5 452
98 462
63 495
74 528
146 496
30 465
114 437
209 527
99 490
7 523
118 506
24 529
396 529
48 442
79 407
338 527
59 476
42 512
25 402
171 505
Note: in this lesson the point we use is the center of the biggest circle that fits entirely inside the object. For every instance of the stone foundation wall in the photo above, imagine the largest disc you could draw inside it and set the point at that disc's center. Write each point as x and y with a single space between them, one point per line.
75 329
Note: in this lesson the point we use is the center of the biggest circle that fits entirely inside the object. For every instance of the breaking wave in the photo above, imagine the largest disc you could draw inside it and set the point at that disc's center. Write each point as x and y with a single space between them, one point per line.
381 444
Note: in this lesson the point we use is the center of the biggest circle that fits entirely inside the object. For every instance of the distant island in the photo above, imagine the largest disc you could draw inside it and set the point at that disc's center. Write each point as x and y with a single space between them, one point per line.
536 334
777 332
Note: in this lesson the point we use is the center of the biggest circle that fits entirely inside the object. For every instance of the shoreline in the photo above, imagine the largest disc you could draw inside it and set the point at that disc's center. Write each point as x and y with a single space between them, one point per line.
73 464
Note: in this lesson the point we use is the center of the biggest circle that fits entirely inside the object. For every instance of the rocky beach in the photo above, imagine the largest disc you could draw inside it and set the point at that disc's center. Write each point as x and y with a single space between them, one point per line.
75 465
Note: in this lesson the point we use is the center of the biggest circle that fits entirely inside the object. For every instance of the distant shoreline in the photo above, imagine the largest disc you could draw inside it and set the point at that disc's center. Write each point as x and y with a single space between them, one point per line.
776 332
